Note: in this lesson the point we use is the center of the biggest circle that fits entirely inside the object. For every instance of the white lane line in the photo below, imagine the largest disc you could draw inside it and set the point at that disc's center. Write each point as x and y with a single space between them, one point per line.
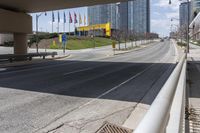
114 88
39 67
85 69
3 69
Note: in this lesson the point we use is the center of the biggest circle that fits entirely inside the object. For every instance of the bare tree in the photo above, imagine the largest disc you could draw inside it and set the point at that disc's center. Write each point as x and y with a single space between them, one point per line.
117 35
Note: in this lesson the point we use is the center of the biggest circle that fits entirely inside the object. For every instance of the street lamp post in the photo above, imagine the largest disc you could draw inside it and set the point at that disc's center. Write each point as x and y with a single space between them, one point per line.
37 19
188 26
117 19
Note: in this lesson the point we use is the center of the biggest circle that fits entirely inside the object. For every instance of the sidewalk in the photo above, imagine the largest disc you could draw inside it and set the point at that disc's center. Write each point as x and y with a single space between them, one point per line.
105 51
193 81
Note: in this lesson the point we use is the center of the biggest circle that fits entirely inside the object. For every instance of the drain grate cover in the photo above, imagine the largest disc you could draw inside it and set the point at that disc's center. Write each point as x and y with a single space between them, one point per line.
112 128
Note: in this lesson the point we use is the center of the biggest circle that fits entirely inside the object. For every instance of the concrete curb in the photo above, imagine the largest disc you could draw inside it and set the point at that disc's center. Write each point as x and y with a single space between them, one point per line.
141 109
134 49
60 57
32 62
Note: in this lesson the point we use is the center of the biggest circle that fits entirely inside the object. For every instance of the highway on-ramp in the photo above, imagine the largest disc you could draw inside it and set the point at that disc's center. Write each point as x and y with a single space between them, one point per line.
79 93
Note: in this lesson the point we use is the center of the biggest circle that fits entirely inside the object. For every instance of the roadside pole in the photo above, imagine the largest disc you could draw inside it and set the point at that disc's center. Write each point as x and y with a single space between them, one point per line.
114 46
64 41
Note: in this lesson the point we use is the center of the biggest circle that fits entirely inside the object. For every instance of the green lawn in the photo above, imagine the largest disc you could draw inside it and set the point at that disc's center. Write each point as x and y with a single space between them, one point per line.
75 43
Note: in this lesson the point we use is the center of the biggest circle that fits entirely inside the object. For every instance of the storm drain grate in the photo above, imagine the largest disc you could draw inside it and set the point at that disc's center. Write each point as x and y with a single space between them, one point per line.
112 128
194 120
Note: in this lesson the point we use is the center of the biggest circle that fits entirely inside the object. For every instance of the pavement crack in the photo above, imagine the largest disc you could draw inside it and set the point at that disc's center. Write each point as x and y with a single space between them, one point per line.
54 129
104 117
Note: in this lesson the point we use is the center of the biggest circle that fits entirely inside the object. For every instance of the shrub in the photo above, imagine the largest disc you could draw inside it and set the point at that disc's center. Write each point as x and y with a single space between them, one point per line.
54 46
182 44
9 44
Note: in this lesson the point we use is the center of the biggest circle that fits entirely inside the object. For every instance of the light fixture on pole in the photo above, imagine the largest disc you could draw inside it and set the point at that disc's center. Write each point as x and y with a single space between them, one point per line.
37 19
188 24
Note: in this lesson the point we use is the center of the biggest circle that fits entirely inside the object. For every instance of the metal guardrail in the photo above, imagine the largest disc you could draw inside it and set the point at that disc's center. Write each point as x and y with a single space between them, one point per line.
166 114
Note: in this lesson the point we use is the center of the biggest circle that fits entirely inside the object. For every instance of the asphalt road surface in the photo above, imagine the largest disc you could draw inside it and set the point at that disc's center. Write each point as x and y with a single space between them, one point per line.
79 93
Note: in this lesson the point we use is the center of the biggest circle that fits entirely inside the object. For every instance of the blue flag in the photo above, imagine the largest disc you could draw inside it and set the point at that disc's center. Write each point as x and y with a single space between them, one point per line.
58 17
53 18
64 18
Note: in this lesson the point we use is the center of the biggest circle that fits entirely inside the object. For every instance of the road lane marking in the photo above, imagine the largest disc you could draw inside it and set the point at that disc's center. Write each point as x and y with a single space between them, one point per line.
85 69
3 69
114 88
39 67
95 99
91 101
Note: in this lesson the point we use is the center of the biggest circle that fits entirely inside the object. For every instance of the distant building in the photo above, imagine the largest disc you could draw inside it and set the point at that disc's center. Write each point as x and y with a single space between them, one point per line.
173 35
195 28
183 14
132 15
5 38
101 14
195 8
123 16
139 16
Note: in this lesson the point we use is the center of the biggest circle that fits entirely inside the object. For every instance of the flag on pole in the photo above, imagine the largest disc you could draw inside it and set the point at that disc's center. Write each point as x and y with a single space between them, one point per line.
70 18
64 17
58 17
75 18
53 18
84 20
80 19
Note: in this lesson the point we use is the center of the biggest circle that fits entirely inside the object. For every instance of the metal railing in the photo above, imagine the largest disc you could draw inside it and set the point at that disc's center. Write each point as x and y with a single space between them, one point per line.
166 114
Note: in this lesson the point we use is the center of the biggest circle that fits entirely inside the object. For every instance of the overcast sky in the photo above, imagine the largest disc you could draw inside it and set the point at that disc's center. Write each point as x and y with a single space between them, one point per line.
161 13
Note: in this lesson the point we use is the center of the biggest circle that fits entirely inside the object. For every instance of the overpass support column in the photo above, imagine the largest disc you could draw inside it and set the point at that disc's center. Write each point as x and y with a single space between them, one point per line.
18 23
20 43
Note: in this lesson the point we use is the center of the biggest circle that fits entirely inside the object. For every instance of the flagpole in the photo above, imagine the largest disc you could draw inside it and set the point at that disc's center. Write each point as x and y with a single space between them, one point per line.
74 29
75 18
52 26
52 21
69 28
64 21
58 20
58 27
69 22
63 27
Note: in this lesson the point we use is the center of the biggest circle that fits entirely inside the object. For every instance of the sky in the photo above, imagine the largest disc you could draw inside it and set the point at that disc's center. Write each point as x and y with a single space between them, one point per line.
161 14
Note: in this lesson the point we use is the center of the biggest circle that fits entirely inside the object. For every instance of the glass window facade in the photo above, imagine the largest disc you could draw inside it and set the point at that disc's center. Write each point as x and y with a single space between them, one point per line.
133 15
100 14
183 14
139 16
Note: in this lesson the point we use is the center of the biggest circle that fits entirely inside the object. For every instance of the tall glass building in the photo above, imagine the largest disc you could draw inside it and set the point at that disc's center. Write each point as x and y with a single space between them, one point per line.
139 16
183 13
132 15
101 14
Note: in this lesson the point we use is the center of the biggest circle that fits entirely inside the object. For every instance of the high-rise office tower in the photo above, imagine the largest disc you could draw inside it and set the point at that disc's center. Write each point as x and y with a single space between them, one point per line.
100 14
140 16
133 15
183 13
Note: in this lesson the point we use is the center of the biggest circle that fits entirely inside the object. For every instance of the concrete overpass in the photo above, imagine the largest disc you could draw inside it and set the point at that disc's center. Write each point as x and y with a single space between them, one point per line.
15 18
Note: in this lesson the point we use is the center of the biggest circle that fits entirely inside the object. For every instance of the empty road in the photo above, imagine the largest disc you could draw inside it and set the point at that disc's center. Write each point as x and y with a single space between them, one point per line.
79 93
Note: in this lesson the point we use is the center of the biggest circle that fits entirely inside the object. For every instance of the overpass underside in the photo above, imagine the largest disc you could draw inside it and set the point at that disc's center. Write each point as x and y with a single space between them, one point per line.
16 20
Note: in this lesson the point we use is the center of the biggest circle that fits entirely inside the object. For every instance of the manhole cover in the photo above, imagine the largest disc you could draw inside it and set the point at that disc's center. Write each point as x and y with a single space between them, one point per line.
112 128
